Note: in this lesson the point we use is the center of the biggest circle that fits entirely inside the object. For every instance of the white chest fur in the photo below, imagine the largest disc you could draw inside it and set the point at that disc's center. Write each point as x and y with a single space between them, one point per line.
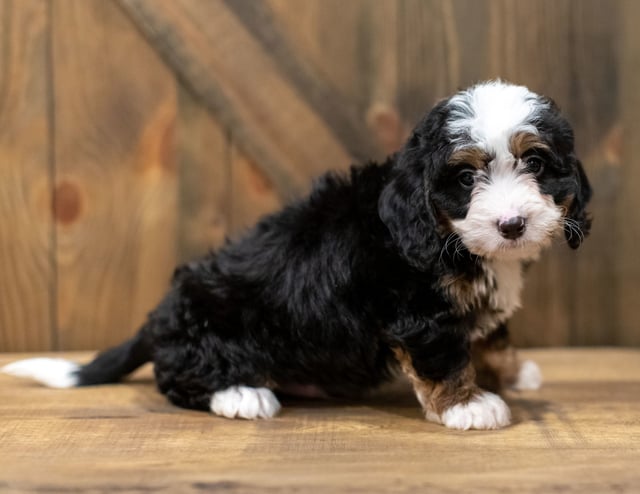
505 297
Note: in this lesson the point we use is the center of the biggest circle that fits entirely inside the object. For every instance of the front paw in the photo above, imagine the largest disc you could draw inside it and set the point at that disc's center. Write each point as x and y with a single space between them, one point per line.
529 376
484 411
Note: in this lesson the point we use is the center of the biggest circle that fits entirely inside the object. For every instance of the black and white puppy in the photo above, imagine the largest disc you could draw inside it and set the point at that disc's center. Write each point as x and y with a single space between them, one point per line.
415 264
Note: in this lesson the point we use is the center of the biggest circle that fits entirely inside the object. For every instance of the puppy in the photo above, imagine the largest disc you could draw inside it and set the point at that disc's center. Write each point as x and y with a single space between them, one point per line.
416 263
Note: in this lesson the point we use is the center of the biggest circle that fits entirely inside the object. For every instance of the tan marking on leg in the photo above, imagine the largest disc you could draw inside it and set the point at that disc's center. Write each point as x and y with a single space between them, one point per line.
436 397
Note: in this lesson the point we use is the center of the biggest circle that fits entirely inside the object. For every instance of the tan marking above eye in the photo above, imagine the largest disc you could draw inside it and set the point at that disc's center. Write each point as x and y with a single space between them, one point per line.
472 156
521 142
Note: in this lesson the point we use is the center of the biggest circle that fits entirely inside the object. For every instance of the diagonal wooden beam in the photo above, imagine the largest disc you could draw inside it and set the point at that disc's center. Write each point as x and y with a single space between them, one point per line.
235 75
335 108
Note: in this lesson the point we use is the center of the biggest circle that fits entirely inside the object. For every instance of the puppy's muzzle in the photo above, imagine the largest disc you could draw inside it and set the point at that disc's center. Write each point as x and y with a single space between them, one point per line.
512 228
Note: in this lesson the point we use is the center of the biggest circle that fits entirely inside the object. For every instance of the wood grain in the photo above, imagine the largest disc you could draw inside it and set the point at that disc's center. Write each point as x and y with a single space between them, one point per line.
97 205
253 195
428 64
627 263
578 434
594 109
353 45
334 36
383 114
212 51
222 191
204 164
337 109
26 230
550 46
114 138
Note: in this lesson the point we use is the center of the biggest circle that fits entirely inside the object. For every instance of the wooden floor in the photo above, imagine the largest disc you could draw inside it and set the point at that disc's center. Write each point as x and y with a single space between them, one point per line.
579 434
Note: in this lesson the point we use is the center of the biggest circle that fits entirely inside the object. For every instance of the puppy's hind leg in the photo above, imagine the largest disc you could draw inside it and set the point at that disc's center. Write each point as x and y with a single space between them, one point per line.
211 382
498 366
231 401
245 402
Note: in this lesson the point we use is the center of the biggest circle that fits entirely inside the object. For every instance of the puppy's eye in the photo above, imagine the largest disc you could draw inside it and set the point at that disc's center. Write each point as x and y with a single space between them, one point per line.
535 165
467 179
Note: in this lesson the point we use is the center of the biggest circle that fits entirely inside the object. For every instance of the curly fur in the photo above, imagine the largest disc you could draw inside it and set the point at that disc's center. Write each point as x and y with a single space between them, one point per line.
324 291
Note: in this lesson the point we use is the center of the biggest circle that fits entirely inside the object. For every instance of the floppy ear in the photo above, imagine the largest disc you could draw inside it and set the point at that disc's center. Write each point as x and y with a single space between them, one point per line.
404 207
577 214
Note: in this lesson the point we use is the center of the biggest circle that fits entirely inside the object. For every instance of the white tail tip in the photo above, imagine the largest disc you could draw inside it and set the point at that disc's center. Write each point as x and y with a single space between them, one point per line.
52 372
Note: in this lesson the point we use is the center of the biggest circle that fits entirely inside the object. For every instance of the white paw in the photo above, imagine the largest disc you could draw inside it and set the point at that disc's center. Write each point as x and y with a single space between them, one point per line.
52 372
484 411
529 376
245 402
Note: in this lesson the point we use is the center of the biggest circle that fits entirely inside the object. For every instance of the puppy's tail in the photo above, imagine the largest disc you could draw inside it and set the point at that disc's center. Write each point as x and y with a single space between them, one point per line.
108 367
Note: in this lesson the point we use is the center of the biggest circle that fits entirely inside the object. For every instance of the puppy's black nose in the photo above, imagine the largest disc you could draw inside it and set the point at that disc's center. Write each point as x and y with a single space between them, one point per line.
512 228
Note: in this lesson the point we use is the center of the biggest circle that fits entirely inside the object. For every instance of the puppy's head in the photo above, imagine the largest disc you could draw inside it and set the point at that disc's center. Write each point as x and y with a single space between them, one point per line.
493 166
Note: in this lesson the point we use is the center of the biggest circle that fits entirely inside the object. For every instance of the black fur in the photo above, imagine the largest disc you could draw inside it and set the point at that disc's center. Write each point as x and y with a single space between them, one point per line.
112 364
321 292
565 178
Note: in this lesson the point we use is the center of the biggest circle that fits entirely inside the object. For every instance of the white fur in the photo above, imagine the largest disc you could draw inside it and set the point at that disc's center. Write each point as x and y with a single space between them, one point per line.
491 112
504 299
53 372
509 282
484 411
245 402
529 376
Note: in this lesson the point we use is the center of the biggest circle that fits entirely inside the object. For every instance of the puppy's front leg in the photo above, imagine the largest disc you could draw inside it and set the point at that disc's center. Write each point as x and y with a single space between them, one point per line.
455 400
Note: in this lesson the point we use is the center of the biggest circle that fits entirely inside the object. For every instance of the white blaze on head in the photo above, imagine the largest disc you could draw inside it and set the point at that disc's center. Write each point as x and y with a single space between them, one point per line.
489 114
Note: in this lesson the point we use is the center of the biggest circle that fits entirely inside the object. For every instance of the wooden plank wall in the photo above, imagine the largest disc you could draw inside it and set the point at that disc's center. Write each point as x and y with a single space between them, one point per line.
27 279
135 134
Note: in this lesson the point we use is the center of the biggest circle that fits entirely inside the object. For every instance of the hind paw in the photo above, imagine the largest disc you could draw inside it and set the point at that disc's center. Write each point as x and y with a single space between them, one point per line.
245 402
